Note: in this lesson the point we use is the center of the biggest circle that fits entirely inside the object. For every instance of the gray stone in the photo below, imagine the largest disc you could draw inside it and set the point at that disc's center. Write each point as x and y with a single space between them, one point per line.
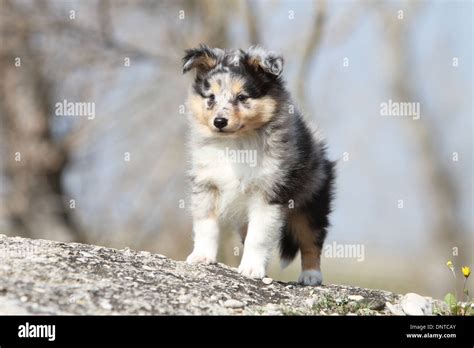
267 281
414 304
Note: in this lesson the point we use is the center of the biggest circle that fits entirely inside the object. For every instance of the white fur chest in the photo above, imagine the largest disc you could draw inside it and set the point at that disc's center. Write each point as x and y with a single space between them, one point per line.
237 168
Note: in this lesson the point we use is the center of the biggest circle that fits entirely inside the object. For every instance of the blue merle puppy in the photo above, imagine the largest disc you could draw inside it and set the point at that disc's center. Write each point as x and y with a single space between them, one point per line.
257 168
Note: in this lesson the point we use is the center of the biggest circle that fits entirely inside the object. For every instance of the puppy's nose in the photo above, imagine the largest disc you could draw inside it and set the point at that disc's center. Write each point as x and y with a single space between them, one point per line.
220 122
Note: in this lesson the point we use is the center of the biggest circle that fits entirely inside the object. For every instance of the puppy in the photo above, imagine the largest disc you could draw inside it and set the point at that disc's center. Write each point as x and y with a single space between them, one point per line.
255 165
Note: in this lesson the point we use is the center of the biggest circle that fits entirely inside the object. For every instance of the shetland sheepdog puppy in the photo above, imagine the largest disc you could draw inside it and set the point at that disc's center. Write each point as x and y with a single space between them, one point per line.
256 167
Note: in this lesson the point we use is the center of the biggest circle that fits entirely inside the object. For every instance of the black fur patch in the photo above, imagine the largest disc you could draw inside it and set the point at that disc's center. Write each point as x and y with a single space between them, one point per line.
288 245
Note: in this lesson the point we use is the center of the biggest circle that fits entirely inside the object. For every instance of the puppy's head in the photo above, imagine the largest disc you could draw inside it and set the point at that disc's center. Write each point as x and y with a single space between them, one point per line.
234 91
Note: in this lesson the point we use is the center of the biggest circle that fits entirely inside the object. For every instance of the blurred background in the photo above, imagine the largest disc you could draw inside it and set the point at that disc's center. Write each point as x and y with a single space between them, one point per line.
404 186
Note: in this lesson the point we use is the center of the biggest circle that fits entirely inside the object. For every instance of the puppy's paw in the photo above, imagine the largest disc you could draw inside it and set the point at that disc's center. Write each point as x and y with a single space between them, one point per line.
311 277
196 257
254 271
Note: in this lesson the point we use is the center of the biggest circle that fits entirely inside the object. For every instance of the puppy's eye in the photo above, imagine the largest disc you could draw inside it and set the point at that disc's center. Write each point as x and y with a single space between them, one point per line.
242 98
211 97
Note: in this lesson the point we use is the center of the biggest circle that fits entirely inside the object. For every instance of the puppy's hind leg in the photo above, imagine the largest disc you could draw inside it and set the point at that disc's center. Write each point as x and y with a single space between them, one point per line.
310 228
310 244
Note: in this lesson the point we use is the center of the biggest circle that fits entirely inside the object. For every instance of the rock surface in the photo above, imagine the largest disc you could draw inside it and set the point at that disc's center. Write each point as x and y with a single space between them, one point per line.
46 277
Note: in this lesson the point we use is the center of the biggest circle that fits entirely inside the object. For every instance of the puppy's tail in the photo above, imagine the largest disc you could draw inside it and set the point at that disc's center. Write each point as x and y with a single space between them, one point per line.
288 247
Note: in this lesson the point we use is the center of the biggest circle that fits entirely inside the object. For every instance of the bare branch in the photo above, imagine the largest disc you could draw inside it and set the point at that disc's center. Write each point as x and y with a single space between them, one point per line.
311 49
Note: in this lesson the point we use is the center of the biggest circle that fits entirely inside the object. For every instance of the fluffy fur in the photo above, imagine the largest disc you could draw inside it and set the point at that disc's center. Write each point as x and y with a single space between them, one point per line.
238 105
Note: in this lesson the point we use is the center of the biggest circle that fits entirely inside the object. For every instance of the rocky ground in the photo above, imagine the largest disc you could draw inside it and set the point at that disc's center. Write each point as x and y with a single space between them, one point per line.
46 277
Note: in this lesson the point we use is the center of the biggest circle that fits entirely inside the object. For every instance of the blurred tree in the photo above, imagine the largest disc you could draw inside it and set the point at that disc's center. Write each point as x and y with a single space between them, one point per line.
448 231
35 204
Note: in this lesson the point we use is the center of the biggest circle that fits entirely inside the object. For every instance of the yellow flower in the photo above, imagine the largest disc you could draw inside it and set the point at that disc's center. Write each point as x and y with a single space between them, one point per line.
466 271
449 264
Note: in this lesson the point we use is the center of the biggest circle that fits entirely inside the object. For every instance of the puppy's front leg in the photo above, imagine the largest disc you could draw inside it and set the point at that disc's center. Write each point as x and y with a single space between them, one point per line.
265 221
205 226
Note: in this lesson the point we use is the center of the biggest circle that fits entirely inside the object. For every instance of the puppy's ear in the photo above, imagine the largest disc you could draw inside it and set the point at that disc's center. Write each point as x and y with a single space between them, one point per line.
202 58
263 60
